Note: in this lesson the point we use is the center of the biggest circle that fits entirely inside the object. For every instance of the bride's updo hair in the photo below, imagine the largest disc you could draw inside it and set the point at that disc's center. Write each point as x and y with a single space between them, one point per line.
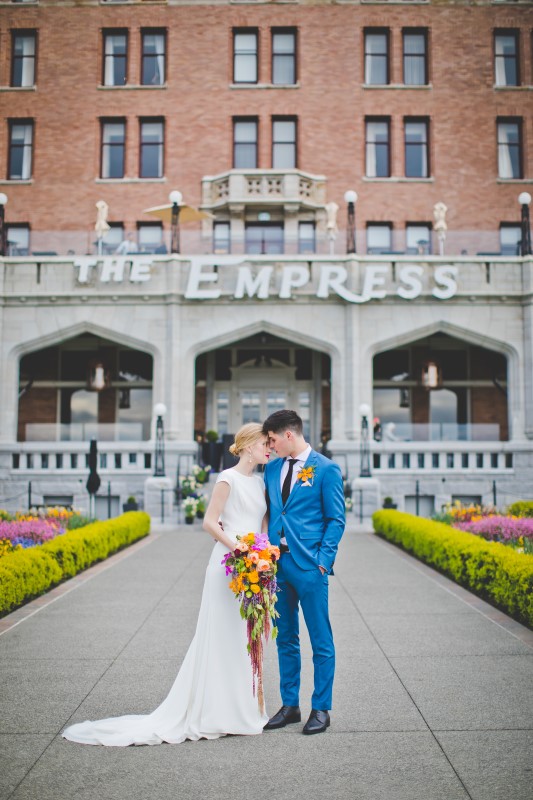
245 437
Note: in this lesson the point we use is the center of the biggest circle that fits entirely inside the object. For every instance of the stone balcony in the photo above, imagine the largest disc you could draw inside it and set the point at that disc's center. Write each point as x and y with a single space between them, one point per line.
291 189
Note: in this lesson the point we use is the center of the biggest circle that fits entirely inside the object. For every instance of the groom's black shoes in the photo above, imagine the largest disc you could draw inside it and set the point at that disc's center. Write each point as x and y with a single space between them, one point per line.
285 716
317 723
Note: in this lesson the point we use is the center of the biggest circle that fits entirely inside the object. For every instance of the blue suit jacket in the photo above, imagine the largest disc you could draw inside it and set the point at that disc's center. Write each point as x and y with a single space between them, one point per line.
313 518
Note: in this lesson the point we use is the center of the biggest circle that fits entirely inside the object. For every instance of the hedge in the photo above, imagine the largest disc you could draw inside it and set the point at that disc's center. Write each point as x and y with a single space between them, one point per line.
491 570
522 508
26 574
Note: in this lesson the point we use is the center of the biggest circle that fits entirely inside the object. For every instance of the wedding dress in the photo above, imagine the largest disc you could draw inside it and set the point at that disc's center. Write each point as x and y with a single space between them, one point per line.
212 694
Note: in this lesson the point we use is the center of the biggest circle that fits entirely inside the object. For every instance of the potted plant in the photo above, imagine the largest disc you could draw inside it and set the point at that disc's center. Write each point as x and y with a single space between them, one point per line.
201 474
201 505
388 503
131 504
212 450
189 506
188 486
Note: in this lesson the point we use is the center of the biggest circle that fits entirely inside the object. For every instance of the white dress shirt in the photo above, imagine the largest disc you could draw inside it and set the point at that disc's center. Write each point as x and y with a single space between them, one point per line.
301 458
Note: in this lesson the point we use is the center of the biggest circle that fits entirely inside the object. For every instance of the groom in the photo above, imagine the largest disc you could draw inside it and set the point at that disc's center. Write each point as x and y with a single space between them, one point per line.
306 520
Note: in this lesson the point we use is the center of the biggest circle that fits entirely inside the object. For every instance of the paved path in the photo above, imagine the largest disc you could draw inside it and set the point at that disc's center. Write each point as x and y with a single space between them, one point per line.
433 694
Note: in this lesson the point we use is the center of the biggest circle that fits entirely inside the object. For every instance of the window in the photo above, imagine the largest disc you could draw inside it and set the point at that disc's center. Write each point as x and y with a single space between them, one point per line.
510 148
376 57
113 149
245 143
415 71
377 148
112 238
510 239
306 237
153 58
418 238
23 63
416 148
283 143
506 72
20 150
264 239
150 237
221 238
18 239
283 57
245 56
151 155
115 58
378 237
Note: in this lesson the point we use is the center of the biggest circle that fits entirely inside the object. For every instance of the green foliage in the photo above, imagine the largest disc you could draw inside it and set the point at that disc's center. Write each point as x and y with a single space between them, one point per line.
78 521
489 569
522 508
211 436
26 574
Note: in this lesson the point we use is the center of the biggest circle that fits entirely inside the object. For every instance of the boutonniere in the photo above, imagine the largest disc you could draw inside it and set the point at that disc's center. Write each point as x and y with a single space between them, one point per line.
307 476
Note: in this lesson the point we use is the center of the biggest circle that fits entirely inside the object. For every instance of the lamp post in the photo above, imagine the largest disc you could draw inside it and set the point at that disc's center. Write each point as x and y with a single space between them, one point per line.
3 237
350 197
160 410
364 471
524 198
175 198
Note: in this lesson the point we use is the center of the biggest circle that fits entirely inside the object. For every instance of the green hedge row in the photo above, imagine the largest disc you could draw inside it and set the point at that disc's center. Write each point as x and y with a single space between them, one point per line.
522 508
491 570
26 574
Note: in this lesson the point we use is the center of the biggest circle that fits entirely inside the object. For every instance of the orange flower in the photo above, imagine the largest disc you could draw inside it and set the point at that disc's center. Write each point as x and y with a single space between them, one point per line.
253 577
253 558
263 565
265 554
274 550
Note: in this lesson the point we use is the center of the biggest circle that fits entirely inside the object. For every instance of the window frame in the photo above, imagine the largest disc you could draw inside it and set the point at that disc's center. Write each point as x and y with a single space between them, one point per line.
150 121
154 32
284 31
248 31
387 34
23 32
12 122
388 226
263 226
388 122
235 121
419 224
112 121
519 123
302 250
416 32
222 224
426 121
294 143
510 226
141 226
107 32
19 226
515 33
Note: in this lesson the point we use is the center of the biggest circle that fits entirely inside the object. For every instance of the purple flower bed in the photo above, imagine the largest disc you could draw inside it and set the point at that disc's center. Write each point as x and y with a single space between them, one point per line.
499 529
30 532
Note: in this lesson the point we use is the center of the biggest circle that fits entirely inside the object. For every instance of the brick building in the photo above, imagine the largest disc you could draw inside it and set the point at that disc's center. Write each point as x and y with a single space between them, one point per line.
263 115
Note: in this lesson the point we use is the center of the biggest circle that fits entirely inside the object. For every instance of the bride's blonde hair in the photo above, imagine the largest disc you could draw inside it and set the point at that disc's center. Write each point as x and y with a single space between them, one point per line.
245 437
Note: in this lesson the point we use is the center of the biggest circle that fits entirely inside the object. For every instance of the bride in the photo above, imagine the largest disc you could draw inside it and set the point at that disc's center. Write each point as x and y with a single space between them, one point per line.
212 695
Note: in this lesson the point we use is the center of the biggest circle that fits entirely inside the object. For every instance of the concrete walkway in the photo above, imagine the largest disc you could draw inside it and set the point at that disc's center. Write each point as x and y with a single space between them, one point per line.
433 694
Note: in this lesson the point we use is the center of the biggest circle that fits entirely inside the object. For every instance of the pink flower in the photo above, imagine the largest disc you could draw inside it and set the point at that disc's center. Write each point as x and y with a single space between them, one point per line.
262 565
241 547
253 557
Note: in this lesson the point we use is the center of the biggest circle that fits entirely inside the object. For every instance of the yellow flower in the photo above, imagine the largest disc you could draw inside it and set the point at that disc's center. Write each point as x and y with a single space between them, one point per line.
253 577
255 588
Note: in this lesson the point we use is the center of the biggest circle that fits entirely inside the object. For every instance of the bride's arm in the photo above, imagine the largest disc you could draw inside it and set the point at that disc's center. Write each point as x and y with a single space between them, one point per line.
212 515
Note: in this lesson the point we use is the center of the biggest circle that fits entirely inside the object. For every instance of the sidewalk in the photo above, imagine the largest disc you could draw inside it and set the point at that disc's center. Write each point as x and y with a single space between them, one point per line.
433 694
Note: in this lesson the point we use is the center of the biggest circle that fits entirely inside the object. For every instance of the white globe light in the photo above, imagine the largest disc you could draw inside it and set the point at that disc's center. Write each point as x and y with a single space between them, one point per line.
364 410
160 409
350 196
3 199
175 197
524 198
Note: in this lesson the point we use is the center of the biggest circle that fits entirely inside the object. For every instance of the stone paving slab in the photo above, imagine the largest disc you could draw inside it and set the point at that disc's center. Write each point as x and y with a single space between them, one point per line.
432 691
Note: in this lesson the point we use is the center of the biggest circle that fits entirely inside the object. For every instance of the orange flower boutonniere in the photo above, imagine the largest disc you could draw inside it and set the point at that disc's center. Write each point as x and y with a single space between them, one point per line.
306 476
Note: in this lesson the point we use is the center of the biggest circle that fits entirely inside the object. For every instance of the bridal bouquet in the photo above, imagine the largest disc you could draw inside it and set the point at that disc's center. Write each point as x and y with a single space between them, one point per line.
253 567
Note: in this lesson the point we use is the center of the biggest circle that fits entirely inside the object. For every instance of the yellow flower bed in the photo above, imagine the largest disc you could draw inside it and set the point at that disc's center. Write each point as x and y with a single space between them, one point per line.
25 574
489 569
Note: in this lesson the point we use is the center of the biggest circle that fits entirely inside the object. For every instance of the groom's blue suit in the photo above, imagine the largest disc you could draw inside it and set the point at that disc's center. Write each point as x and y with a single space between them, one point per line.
312 521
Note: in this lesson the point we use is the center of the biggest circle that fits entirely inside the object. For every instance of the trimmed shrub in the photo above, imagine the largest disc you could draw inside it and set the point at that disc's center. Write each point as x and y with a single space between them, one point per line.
522 508
26 574
491 570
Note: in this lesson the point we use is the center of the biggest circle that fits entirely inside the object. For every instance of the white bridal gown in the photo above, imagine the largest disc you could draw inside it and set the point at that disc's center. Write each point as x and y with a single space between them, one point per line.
212 694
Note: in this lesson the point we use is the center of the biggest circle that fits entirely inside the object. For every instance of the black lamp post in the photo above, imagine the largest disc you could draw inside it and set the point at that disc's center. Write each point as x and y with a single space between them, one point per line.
364 471
3 237
350 197
175 198
159 461
525 245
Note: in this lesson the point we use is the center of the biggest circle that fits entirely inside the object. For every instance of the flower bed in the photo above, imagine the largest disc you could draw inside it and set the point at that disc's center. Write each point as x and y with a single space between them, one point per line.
28 573
517 532
491 570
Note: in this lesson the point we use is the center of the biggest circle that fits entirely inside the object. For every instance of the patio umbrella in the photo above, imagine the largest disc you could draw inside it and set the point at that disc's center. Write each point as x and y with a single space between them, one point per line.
187 213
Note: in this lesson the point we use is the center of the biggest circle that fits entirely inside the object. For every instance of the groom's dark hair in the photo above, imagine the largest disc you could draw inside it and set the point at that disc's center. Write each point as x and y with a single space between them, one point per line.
283 420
